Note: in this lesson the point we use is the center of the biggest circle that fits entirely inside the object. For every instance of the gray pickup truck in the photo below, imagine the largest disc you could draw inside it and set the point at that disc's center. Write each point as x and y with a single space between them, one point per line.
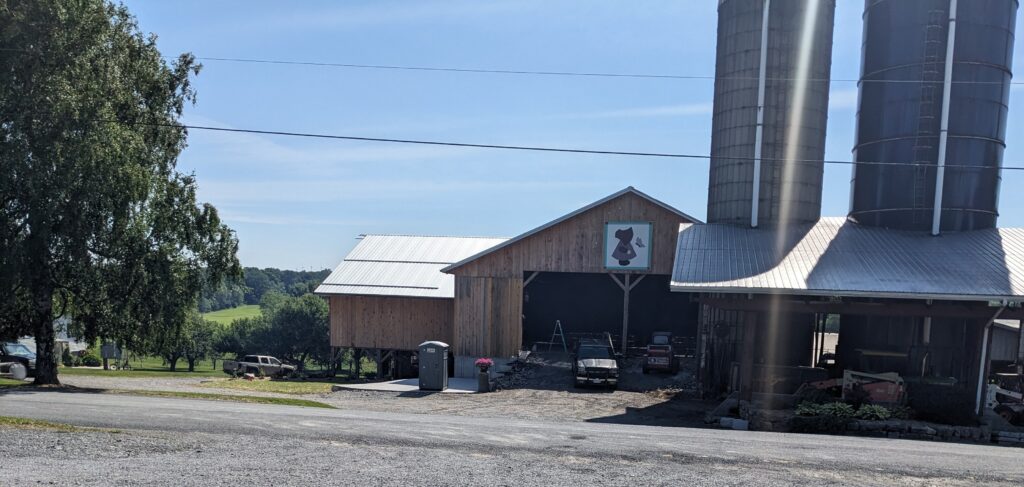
263 365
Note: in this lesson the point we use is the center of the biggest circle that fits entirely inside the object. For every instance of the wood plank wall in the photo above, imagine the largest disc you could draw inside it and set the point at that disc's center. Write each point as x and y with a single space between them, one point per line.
489 290
577 244
389 322
491 309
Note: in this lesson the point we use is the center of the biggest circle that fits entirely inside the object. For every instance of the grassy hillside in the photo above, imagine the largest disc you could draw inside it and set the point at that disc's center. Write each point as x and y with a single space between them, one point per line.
226 316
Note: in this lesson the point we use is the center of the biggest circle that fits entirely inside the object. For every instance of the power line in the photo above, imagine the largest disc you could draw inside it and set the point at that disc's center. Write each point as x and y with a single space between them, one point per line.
586 74
580 74
544 149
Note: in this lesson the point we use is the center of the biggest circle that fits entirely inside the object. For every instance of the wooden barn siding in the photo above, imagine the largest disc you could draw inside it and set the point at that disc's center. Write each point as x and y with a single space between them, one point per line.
489 290
389 322
576 245
491 310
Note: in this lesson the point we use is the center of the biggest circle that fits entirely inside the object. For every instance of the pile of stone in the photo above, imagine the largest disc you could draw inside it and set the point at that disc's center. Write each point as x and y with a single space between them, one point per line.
913 430
1008 438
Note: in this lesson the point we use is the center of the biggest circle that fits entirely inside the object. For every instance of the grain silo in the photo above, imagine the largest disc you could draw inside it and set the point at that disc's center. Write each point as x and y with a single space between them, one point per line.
938 104
770 110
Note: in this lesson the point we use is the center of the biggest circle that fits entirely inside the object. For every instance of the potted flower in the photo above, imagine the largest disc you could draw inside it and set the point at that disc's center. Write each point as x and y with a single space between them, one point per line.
484 364
483 378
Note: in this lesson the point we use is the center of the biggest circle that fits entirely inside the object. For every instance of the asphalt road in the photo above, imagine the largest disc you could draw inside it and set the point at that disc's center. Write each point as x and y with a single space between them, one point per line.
185 441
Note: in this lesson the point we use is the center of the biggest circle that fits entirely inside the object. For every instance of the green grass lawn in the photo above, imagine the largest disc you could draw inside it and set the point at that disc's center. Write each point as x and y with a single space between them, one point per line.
8 383
279 386
280 401
226 316
151 367
35 424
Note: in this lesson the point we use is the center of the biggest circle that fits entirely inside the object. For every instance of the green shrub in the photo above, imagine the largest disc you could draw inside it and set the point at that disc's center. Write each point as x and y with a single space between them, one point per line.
818 424
66 359
873 413
808 408
90 358
901 412
834 409
837 409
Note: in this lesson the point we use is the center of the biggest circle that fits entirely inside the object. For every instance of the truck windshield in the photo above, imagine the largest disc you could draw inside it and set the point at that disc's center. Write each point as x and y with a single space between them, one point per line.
18 350
594 352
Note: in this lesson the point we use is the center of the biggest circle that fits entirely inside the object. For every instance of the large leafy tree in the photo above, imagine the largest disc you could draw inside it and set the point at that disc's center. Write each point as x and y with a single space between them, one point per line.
96 223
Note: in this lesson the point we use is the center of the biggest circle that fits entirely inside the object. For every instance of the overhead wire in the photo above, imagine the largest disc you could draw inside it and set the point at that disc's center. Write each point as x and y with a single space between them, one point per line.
544 149
581 74
588 74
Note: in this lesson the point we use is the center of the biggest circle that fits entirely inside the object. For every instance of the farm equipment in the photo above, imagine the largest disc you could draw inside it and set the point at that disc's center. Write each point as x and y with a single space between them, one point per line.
660 354
887 388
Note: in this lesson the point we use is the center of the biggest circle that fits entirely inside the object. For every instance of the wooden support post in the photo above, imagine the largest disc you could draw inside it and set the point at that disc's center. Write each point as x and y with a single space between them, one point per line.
747 355
1020 348
626 287
625 314
357 362
380 363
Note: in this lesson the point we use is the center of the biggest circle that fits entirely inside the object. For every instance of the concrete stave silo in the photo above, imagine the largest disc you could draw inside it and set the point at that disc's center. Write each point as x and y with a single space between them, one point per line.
793 106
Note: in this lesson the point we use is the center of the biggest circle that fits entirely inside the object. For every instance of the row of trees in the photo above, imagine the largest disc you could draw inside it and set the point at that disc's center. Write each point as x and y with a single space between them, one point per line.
257 283
294 329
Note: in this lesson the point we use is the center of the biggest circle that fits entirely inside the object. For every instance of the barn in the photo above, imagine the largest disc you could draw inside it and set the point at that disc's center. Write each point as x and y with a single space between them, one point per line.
602 269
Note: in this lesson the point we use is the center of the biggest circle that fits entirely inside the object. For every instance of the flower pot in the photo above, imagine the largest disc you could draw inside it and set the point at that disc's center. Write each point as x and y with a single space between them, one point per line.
483 382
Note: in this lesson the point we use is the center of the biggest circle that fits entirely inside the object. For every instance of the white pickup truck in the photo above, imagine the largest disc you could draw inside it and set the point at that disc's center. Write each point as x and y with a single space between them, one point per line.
263 365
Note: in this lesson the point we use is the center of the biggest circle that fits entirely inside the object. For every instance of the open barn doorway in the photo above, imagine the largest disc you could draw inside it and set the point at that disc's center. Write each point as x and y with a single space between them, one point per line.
590 305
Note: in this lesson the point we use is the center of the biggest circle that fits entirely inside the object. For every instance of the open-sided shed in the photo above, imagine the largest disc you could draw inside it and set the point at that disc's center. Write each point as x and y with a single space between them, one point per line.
576 253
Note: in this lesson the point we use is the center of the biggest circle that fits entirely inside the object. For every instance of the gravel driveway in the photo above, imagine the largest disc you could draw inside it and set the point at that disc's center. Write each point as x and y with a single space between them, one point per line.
541 388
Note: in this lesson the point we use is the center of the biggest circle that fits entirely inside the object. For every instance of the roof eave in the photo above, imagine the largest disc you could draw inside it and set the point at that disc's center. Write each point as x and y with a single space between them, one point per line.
674 287
567 216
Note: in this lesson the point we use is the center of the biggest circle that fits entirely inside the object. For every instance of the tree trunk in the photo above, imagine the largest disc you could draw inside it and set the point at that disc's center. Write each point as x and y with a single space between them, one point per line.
172 362
191 365
46 363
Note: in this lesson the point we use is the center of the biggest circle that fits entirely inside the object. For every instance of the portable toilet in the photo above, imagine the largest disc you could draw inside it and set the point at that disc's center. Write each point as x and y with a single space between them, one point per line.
433 359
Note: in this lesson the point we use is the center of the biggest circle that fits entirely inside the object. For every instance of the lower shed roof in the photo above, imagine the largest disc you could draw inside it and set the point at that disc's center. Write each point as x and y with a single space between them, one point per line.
402 265
837 257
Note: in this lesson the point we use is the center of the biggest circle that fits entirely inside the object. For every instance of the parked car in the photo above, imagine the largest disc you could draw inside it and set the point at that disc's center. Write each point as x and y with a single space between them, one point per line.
16 352
264 365
594 362
660 354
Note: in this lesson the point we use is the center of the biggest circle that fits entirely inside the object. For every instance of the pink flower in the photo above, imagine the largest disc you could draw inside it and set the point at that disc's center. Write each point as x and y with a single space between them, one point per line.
484 362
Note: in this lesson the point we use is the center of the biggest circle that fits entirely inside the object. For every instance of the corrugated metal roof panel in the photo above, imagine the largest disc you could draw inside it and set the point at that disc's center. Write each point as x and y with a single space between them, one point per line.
402 265
836 257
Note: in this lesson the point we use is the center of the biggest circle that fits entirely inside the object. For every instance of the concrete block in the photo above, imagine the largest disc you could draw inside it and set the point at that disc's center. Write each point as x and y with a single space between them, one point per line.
726 422
740 424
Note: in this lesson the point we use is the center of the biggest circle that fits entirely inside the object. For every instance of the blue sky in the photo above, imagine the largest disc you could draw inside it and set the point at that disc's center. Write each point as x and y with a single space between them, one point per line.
299 203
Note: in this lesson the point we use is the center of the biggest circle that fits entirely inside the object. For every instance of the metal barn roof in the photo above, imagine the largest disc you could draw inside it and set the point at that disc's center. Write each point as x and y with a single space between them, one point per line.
836 257
402 265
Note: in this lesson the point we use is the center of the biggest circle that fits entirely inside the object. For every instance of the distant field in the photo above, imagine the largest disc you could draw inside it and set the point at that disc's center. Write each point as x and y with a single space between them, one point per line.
226 316
150 367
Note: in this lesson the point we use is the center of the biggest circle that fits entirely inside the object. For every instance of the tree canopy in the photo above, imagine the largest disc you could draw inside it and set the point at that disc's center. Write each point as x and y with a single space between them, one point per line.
96 222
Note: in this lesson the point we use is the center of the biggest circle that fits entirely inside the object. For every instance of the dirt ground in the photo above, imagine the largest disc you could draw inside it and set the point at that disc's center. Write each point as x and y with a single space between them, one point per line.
540 387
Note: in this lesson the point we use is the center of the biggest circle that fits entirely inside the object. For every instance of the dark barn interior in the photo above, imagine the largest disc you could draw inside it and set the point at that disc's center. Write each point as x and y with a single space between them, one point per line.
591 304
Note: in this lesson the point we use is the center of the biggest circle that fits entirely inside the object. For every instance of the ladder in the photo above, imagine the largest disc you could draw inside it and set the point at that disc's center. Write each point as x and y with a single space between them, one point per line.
930 104
557 333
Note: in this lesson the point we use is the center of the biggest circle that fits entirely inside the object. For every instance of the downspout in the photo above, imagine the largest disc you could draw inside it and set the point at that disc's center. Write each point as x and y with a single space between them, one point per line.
755 197
983 366
947 83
